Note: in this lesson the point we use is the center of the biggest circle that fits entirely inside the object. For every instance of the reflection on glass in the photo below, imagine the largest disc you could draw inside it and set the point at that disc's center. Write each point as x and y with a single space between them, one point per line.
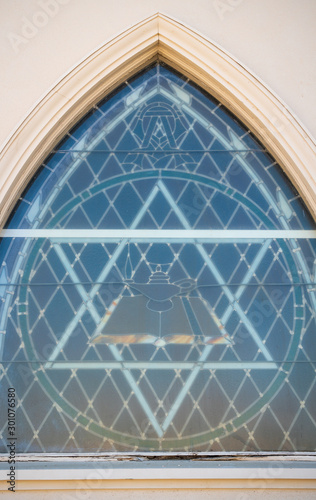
181 313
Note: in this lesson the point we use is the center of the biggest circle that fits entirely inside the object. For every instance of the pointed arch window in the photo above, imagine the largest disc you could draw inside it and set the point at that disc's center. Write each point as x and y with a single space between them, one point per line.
158 285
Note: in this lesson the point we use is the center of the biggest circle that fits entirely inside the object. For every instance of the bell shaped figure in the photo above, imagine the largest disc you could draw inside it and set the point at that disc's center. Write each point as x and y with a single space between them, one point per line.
161 313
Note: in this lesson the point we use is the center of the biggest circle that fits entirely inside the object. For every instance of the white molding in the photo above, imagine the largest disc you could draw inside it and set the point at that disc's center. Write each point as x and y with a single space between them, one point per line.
164 473
110 475
185 50
160 234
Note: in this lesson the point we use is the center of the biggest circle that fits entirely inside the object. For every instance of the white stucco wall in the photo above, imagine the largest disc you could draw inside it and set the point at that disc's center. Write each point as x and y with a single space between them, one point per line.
42 39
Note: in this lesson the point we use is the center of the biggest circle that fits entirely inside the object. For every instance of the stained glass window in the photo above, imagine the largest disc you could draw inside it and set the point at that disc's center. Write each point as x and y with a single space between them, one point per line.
157 285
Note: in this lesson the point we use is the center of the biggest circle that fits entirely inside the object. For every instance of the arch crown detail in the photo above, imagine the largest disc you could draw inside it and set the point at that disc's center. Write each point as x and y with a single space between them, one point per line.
157 38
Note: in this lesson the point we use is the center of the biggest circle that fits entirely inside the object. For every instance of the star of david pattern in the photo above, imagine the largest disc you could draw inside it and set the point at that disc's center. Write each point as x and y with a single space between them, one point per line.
164 335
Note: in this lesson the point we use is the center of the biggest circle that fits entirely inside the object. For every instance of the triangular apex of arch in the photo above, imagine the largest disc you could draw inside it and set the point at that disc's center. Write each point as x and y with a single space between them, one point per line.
163 38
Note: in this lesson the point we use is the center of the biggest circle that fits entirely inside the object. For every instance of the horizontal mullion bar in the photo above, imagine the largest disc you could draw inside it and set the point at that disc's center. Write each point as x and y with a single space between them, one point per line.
159 234
166 364
163 240
198 287
130 365
149 365
153 151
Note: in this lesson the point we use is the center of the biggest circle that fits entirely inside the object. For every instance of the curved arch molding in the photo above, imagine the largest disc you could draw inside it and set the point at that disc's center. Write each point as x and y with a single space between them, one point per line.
188 52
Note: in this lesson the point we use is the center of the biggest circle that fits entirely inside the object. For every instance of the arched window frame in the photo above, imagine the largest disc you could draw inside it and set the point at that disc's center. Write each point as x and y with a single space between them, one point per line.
158 37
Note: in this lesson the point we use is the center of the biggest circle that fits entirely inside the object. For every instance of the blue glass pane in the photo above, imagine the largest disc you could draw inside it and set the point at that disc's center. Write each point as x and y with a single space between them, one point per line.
157 285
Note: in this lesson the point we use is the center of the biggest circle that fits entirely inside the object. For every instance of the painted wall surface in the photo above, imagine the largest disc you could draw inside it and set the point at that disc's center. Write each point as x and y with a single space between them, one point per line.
41 40
170 493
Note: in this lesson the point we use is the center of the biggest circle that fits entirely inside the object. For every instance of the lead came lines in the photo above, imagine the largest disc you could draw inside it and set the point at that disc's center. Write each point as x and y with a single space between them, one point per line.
181 98
206 351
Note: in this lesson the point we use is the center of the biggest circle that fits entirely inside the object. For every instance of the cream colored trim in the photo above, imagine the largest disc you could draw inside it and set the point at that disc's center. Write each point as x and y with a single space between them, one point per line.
185 50
218 476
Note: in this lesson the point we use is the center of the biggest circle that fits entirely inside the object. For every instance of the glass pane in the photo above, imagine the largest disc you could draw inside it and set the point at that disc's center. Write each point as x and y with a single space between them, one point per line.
157 285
